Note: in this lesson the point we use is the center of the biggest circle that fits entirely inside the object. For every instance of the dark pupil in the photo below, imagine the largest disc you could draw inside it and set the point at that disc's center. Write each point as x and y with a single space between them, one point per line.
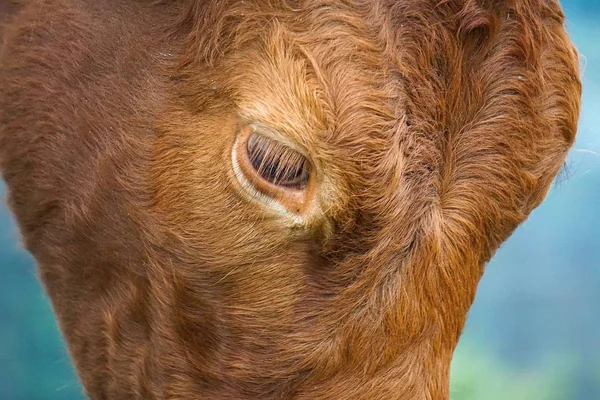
273 166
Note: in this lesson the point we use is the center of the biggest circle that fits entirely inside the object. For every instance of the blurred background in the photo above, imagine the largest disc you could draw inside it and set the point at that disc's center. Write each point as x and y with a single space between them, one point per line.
532 334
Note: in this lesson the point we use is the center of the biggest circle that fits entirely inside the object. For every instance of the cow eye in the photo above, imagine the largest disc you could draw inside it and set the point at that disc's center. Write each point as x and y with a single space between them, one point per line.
277 163
273 172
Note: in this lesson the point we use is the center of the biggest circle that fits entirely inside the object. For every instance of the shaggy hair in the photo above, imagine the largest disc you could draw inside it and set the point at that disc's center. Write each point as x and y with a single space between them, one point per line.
435 126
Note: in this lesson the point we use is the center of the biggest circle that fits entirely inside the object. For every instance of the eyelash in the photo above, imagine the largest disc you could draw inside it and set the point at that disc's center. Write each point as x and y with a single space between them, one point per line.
276 163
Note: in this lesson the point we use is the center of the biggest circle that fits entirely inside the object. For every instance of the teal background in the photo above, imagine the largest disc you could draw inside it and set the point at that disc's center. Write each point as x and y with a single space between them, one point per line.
532 334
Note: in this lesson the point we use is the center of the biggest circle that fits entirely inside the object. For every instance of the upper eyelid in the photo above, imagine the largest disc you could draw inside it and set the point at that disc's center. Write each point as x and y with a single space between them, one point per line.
274 134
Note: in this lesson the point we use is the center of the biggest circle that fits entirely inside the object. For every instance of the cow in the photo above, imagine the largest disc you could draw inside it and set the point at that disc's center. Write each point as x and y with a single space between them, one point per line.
276 199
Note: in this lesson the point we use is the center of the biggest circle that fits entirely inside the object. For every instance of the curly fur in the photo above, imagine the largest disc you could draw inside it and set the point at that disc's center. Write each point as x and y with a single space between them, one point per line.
437 125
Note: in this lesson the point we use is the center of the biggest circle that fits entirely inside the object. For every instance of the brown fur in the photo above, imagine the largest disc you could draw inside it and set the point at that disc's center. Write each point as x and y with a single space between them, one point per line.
436 125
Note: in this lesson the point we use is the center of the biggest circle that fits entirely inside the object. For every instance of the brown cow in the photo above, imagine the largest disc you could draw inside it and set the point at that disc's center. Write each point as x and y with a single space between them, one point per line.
262 199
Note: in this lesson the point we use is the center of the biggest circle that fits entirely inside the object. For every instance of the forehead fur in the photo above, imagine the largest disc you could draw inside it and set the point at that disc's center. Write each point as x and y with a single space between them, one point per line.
409 89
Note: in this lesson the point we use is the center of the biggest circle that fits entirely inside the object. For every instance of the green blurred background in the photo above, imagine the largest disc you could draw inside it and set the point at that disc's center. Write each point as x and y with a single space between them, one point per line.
532 334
